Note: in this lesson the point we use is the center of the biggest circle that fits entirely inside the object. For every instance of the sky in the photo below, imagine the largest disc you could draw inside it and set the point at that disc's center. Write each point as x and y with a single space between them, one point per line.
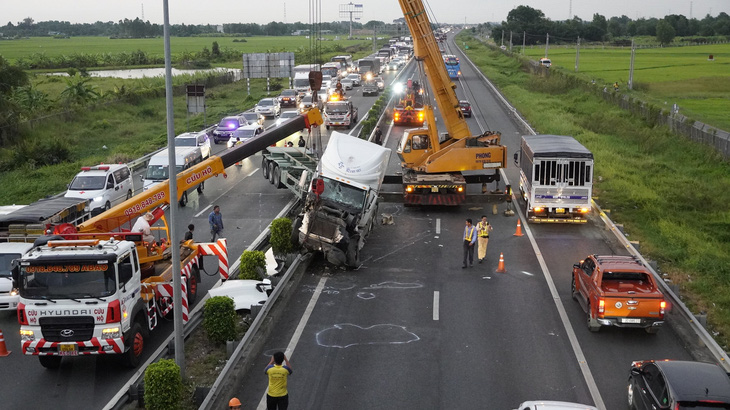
289 11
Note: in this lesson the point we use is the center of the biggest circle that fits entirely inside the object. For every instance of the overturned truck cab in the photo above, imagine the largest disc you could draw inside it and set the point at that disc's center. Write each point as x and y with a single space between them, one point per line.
342 204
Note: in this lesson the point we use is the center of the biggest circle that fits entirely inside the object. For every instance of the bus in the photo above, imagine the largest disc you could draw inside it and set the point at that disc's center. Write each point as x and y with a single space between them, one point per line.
452 66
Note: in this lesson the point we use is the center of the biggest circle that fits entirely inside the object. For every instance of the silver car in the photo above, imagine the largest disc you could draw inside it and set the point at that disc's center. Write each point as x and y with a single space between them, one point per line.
356 79
268 107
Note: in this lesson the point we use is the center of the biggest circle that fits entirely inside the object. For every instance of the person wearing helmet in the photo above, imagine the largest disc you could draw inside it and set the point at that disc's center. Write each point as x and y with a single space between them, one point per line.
234 404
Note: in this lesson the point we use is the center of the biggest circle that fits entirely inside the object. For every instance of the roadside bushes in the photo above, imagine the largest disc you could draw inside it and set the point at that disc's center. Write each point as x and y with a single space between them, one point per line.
251 263
280 239
219 319
374 114
163 385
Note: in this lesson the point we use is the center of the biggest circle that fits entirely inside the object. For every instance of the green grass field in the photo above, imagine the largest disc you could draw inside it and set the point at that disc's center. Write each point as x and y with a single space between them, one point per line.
681 75
14 49
670 193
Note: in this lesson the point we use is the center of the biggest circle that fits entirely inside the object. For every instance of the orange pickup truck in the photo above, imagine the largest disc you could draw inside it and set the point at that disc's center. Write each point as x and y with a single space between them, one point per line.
618 291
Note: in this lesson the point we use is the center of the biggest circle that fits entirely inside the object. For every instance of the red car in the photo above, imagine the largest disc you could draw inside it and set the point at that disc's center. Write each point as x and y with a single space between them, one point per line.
465 108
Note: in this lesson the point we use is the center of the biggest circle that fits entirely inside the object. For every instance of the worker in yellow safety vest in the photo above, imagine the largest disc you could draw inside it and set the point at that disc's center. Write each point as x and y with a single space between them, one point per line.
470 239
483 228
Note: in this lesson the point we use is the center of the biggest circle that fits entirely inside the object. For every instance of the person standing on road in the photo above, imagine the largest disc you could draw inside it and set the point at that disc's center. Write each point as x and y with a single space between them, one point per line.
277 396
302 142
189 233
483 228
234 404
378 136
215 219
470 238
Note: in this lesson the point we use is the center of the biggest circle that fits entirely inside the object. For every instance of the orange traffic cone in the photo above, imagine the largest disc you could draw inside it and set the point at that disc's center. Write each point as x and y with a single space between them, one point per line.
500 267
518 232
3 350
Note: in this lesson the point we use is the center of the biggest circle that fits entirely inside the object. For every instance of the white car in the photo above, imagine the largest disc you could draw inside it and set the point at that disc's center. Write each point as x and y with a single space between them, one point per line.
194 139
244 133
103 185
10 251
356 79
346 83
244 292
553 405
268 107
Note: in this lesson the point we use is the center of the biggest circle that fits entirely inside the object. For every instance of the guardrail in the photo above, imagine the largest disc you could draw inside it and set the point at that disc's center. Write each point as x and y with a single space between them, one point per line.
704 337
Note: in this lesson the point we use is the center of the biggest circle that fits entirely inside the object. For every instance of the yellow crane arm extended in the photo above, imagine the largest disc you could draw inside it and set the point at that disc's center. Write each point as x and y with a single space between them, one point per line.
426 49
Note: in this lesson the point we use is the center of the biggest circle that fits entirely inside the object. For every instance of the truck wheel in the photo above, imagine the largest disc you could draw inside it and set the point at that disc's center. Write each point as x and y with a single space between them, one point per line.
201 187
272 166
277 178
265 167
652 330
50 362
193 281
184 199
353 252
134 353
573 293
129 194
107 206
593 326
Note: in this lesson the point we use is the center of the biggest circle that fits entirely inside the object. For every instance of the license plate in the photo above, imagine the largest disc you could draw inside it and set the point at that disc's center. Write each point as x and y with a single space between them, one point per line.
434 189
560 210
629 320
67 350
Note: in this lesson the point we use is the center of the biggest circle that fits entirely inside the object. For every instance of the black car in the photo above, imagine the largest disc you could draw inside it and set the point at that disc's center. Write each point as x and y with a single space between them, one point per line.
465 108
226 127
677 385
289 98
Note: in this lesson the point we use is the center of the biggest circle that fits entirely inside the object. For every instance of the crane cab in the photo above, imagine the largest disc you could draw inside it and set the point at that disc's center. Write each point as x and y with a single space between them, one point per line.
414 147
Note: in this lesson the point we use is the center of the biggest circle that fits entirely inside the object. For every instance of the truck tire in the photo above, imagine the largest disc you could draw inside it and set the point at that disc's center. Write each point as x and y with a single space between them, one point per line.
193 281
50 362
593 326
265 167
133 355
277 178
184 199
573 293
201 187
353 252
272 165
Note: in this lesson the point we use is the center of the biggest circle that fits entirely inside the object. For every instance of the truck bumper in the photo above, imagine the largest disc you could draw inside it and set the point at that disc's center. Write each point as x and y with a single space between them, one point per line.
436 198
8 302
331 252
620 322
94 346
560 220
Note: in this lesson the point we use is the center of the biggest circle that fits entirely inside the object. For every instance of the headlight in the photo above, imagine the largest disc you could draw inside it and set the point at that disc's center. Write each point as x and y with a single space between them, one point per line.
14 292
26 335
98 199
111 333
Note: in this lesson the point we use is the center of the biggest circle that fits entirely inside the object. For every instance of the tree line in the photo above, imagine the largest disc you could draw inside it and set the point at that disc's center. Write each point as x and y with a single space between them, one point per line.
533 23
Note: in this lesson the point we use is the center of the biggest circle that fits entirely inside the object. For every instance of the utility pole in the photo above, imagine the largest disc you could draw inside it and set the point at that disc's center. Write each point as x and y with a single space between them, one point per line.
501 45
524 36
510 41
577 54
547 43
631 66
175 258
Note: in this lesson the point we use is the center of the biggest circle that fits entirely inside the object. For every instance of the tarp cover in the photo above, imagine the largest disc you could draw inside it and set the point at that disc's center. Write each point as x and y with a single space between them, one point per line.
355 159
40 211
555 146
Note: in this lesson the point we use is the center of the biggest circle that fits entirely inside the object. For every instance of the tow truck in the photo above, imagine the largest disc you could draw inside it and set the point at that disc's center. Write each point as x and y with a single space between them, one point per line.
409 108
433 168
96 288
339 111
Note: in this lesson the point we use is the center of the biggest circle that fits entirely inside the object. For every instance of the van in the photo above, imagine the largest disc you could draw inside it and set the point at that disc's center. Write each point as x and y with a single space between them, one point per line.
158 169
103 185
195 139
9 252
545 62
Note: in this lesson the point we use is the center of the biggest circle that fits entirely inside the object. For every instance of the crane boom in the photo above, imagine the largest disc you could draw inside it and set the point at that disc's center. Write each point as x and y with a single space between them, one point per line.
426 49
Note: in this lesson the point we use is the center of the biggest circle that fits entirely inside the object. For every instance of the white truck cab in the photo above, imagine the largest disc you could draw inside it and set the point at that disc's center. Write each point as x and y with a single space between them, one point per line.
103 185
10 252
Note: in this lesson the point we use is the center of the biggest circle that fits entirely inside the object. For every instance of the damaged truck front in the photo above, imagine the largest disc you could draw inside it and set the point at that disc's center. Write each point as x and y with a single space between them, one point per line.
342 204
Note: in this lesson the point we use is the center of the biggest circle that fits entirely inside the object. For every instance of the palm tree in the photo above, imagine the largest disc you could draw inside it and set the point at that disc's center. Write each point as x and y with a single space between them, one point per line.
78 92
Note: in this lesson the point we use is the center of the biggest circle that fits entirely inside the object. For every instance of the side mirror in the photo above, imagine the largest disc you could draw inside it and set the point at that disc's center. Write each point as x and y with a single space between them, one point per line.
636 372
576 266
141 177
517 157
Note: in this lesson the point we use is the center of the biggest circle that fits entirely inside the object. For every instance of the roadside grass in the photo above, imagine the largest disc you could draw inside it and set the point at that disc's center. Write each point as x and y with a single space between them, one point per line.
127 131
671 194
662 76
14 49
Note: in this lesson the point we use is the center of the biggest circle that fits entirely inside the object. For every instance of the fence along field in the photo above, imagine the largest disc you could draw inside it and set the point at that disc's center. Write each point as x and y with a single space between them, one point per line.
681 75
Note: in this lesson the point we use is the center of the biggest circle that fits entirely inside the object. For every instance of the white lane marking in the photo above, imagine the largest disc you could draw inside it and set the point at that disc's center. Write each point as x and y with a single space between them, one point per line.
438 226
580 357
435 305
298 332
528 273
227 190
201 212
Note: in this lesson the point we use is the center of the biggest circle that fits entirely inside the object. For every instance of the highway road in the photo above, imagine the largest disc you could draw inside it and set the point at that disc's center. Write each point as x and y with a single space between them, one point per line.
248 203
411 329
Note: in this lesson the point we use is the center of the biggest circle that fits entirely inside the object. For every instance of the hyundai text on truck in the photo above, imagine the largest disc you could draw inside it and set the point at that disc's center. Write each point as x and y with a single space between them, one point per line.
556 178
342 205
618 291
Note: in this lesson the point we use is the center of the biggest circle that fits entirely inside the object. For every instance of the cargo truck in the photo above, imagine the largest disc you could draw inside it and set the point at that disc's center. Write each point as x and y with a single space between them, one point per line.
369 66
556 178
342 205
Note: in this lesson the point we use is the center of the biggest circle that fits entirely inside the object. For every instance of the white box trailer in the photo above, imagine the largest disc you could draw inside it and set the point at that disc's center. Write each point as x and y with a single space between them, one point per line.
556 178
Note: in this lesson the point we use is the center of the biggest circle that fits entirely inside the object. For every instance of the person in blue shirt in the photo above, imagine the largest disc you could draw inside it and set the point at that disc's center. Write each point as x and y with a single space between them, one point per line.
215 219
470 238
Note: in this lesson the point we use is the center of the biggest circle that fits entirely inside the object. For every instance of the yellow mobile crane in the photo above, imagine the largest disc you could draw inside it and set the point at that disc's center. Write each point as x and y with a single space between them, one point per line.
433 168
